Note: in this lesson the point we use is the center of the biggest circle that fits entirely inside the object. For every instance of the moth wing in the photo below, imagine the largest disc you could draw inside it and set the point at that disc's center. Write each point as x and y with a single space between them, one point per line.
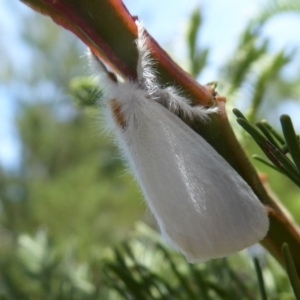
203 207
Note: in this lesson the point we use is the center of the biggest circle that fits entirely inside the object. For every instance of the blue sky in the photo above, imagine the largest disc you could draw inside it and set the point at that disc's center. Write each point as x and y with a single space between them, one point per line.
223 21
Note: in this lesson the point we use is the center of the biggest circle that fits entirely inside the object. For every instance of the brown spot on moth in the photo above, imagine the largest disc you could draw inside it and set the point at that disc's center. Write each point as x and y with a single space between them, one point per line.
117 113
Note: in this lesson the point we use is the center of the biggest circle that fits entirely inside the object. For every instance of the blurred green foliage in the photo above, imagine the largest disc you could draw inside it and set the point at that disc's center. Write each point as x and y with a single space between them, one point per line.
70 203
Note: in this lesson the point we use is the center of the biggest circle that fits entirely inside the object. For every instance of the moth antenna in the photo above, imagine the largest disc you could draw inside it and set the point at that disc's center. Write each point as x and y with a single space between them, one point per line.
145 72
100 68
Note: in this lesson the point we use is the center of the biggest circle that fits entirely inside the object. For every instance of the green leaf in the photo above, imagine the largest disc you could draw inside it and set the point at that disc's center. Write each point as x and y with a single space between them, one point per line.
291 139
291 270
260 279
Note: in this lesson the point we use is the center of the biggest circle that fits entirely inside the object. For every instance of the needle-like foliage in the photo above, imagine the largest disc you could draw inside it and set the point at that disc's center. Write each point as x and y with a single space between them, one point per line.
70 185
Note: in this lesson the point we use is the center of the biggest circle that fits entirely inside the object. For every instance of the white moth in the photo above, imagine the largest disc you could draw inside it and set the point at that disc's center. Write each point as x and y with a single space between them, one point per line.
203 207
